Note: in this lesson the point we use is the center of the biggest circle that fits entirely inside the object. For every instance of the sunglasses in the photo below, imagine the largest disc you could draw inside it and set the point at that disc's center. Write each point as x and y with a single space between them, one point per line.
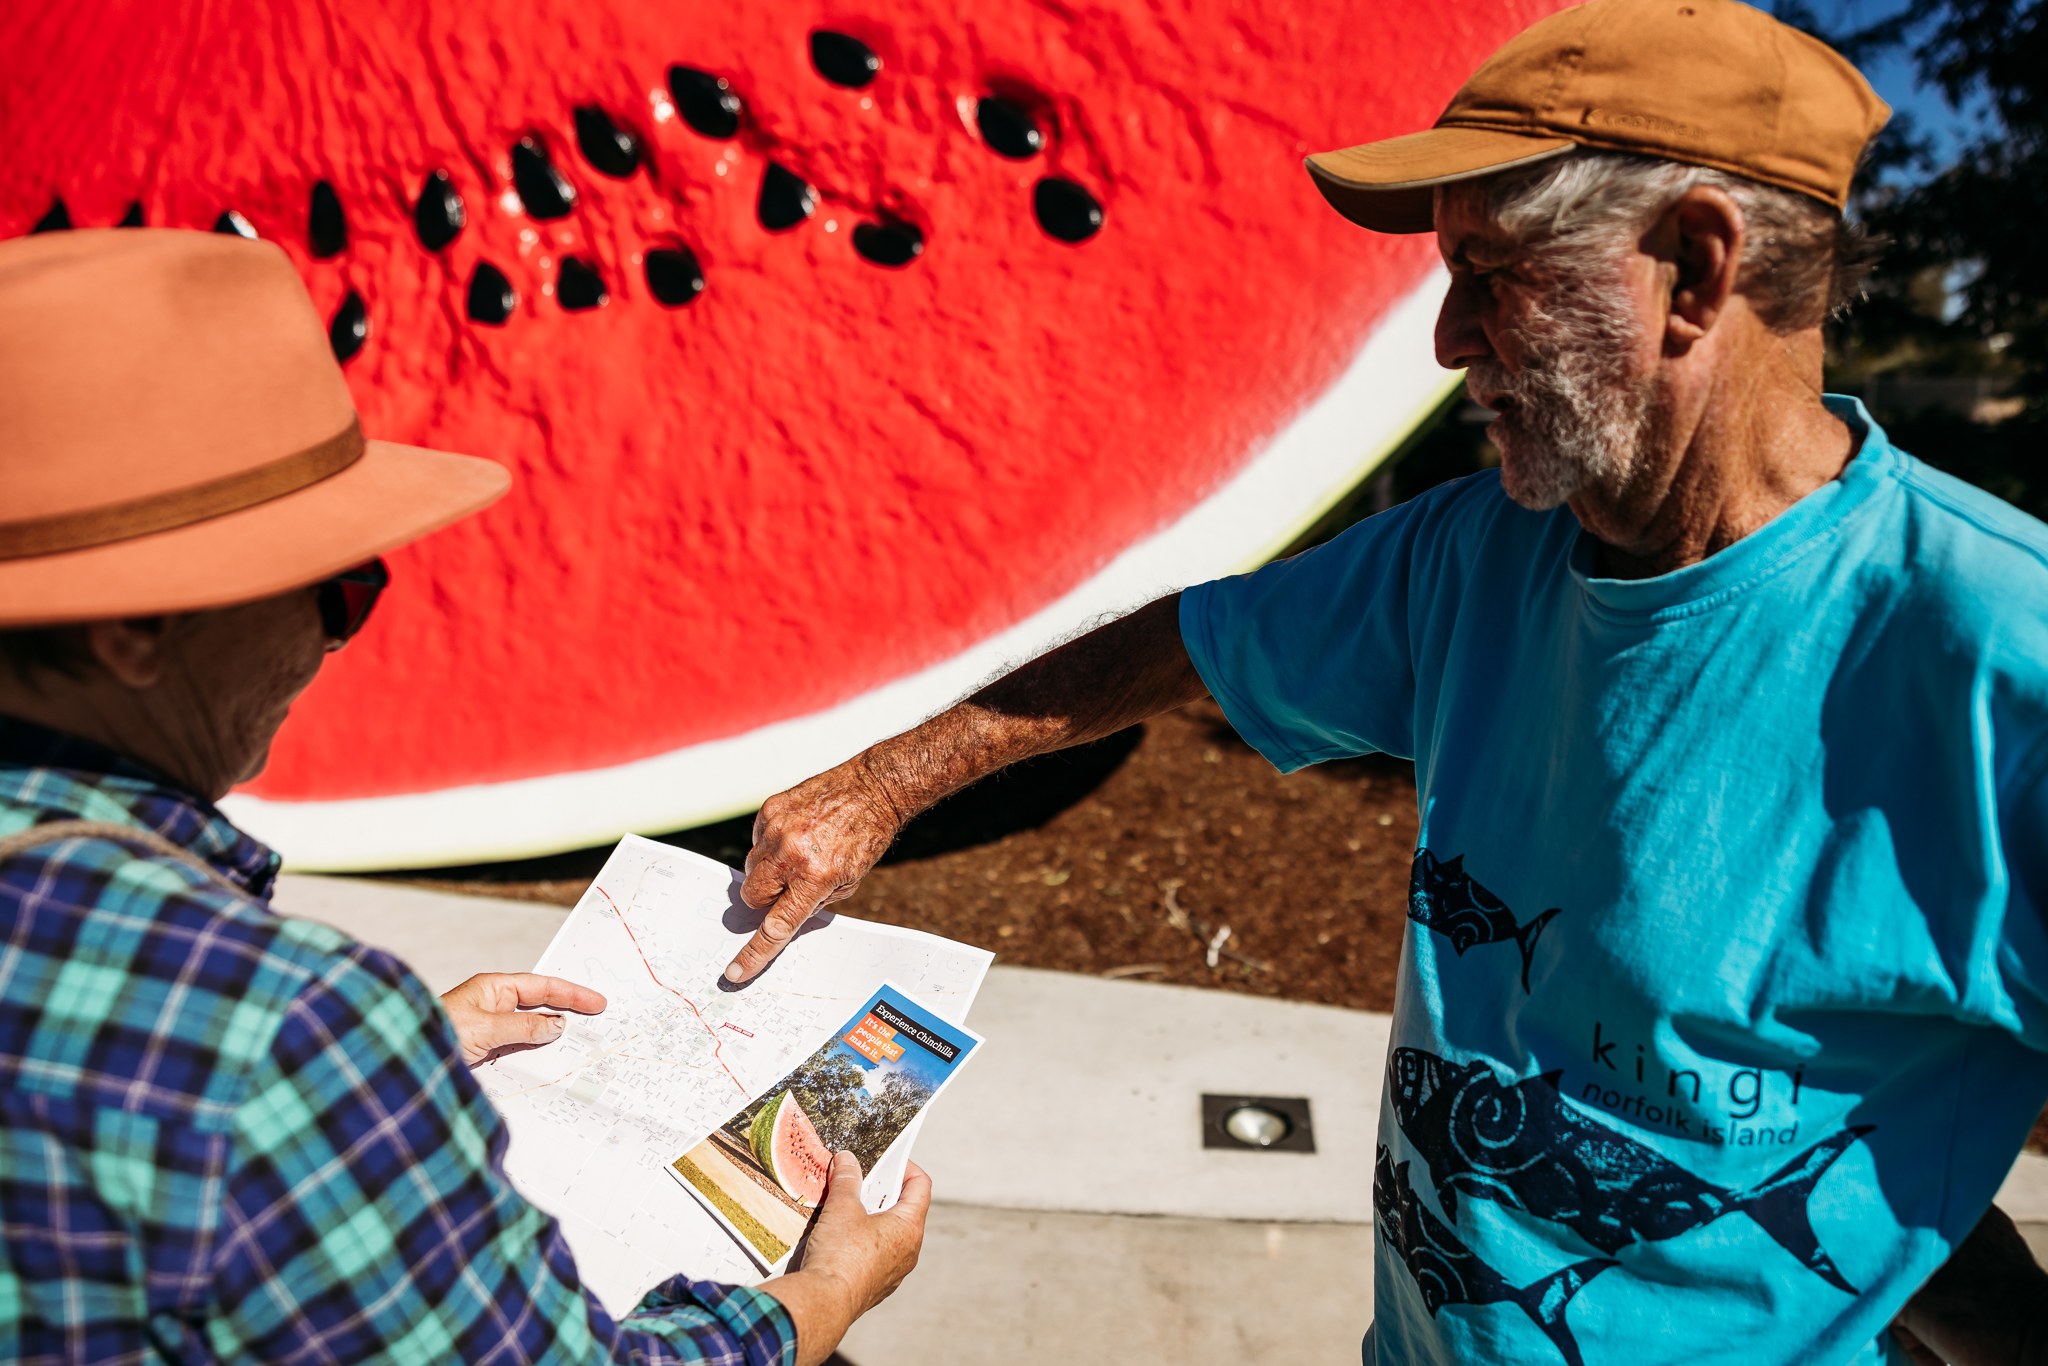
346 599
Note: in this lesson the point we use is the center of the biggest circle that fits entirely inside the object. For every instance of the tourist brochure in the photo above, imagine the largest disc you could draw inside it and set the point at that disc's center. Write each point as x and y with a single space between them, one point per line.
597 1117
762 1172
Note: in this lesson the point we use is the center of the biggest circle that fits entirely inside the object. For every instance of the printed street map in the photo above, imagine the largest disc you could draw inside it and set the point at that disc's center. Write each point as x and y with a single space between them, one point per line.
597 1117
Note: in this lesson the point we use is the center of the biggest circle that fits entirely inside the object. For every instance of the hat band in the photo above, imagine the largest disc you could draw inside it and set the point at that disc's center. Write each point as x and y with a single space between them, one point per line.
182 507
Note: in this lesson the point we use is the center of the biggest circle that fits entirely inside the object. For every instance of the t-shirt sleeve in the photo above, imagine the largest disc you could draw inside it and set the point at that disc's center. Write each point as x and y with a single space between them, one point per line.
367 1216
1310 656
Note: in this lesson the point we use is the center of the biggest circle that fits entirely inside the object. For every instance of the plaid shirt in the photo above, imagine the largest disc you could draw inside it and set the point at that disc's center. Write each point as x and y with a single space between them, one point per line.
226 1136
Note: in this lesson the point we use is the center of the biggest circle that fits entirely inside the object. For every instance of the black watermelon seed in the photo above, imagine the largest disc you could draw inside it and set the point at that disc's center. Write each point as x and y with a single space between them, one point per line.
541 187
843 60
232 222
439 216
888 244
350 328
785 199
674 275
58 219
605 145
706 101
1008 128
579 286
325 224
132 218
491 296
1066 210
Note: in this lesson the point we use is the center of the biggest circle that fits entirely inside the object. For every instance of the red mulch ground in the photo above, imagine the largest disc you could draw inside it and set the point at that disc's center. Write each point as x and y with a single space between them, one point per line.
1191 833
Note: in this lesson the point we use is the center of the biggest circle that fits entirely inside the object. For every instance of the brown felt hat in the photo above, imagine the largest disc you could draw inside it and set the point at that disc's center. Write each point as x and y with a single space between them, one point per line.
175 433
1710 82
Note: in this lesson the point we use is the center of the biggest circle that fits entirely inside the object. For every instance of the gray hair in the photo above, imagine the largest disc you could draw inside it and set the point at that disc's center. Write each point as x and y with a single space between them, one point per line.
1804 263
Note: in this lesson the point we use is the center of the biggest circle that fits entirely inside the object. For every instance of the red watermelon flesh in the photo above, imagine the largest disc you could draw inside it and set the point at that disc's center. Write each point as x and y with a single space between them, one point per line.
787 1143
822 473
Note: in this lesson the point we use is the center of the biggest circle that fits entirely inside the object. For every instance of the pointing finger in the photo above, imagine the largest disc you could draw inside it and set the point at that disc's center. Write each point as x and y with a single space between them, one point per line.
785 918
776 931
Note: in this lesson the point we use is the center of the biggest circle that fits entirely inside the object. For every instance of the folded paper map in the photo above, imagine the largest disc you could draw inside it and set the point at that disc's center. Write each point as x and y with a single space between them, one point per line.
598 1116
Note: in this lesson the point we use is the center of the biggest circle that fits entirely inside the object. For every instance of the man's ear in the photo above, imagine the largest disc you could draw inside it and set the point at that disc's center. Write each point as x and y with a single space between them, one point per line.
135 650
1703 235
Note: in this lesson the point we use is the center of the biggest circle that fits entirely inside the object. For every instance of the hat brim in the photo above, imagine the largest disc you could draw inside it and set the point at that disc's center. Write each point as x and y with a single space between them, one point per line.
391 495
1386 186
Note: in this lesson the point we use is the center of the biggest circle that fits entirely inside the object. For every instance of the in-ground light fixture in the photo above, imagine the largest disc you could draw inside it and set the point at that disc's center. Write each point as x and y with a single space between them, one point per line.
1257 1123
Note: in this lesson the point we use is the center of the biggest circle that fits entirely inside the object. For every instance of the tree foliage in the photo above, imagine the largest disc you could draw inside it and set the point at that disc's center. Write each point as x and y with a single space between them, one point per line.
1963 288
833 1091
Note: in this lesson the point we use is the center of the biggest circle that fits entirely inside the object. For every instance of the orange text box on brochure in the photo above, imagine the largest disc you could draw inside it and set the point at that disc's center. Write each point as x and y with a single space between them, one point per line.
871 1039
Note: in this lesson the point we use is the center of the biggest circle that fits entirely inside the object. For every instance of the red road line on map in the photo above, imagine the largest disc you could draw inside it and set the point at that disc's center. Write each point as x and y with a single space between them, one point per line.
717 1044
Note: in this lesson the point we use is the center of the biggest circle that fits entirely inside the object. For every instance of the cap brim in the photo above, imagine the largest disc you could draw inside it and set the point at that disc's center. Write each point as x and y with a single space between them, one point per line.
392 495
1386 185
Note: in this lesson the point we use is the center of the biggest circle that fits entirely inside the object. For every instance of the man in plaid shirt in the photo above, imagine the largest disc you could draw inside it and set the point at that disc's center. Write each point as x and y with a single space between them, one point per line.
225 1136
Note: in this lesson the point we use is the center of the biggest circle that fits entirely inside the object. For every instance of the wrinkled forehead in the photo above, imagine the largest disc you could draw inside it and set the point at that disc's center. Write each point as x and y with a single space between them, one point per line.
1468 233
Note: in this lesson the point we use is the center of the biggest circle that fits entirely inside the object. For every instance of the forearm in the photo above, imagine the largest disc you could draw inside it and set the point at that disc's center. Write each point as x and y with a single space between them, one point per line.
821 1308
1115 676
814 843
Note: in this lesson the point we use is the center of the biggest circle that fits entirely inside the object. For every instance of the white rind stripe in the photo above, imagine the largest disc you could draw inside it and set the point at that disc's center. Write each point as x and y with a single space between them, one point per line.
1392 385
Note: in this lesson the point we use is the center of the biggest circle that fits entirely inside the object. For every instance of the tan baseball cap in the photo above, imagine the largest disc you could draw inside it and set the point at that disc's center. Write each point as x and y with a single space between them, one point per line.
175 433
1709 82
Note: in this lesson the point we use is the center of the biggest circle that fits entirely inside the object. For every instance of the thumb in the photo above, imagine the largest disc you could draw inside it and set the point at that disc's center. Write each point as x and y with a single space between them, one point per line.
842 1191
513 1027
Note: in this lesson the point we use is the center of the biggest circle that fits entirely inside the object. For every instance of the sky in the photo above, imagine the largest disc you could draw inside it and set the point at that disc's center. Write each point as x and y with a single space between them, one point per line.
1893 76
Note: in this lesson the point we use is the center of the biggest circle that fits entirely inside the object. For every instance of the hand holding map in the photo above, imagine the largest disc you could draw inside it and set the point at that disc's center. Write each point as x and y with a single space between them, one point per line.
764 1170
598 1116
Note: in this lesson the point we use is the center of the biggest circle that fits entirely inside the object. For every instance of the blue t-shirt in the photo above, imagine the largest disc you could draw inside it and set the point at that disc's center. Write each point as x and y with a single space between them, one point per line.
1723 1007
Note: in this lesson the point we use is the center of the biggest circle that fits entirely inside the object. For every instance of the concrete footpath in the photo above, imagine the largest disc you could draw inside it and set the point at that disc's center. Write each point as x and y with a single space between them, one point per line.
1079 1218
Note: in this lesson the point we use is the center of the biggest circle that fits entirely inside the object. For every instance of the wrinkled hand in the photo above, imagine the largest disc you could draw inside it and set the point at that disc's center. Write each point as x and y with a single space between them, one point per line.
487 1017
852 1260
812 846
1987 1306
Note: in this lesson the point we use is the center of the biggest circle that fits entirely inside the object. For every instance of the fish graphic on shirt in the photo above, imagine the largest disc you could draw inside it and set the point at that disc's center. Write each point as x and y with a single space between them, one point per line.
1448 1272
1522 1146
1443 897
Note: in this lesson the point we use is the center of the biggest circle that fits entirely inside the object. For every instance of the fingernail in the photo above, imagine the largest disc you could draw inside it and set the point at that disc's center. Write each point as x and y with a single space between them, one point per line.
556 1024
732 972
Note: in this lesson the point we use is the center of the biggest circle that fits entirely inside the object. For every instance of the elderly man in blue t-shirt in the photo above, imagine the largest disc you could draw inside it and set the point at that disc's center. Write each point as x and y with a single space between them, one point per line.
1723 1007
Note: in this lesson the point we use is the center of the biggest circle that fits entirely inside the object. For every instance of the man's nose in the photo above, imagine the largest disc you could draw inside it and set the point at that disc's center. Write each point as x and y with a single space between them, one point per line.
1460 330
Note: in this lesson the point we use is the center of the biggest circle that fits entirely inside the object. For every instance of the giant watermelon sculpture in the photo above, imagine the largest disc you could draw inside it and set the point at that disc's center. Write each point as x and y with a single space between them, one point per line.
841 351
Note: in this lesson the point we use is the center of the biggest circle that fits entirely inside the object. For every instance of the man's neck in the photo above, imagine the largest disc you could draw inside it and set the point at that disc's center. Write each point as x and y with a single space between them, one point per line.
1742 438
107 715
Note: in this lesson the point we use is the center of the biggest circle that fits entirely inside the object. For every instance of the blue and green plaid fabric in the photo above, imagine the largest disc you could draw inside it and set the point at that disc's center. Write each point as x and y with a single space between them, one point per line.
230 1137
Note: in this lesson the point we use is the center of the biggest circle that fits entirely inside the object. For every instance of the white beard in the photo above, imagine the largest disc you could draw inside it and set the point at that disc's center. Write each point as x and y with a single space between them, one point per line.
1576 415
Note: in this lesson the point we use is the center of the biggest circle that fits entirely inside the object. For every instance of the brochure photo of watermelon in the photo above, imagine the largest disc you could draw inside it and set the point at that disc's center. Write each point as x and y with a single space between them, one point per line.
763 1172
